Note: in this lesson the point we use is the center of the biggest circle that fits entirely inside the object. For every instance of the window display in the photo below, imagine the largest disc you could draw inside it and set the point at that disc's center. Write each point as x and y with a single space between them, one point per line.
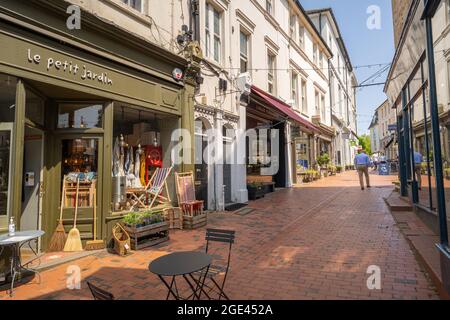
7 116
136 154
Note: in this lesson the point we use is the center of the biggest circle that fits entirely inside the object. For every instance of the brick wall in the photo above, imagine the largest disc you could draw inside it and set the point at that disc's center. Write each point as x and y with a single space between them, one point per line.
400 10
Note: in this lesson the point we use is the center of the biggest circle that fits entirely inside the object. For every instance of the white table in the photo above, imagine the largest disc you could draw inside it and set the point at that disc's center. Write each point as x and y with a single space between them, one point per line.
16 243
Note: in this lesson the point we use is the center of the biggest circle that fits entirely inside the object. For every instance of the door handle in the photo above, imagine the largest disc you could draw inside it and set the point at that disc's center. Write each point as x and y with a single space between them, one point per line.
41 189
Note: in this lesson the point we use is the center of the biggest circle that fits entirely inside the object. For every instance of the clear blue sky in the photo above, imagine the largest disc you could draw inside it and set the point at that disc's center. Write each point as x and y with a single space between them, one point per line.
365 47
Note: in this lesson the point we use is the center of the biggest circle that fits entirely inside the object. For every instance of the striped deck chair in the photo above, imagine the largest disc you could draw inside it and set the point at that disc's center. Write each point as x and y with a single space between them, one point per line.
155 188
186 194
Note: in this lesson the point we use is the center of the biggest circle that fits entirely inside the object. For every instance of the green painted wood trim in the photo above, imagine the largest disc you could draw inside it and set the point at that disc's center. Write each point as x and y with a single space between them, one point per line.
187 122
18 151
108 118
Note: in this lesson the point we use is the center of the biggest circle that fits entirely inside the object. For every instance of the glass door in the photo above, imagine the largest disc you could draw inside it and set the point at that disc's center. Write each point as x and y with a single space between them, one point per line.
81 158
6 130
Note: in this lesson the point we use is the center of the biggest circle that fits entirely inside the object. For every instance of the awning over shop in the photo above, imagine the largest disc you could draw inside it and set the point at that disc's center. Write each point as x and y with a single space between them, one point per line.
283 108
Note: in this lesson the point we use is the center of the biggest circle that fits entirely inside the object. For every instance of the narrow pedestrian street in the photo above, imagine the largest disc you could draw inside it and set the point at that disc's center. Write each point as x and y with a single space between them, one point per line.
314 241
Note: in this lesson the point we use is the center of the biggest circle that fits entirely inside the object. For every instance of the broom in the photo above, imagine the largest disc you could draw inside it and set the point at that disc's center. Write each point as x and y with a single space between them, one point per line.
59 237
95 244
73 242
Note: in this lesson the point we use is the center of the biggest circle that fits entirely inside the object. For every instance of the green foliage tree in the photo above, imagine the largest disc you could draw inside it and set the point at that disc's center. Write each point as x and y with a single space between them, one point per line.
364 142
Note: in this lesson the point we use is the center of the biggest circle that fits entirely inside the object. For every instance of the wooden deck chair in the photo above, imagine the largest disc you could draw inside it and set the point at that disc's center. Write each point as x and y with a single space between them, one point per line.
155 188
186 194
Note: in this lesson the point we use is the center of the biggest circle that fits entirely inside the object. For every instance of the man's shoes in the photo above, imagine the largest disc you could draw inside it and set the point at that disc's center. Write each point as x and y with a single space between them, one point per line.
362 189
369 186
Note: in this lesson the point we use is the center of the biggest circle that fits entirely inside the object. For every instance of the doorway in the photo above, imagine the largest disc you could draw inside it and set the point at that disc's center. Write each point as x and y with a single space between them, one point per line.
81 158
32 184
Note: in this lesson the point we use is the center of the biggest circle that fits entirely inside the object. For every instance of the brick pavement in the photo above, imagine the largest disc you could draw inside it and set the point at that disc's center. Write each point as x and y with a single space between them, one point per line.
314 241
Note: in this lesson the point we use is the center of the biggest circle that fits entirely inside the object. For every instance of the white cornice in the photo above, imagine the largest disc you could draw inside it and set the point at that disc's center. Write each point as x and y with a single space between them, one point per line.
245 20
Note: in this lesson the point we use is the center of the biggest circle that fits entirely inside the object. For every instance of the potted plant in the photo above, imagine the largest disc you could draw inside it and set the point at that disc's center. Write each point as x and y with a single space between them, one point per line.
338 169
323 161
146 228
255 190
447 173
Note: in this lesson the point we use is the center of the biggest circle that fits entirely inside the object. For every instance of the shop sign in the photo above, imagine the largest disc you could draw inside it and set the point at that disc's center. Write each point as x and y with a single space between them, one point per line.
68 67
392 127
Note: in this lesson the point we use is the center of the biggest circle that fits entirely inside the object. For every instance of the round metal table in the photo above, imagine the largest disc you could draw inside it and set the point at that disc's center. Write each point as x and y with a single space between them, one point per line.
16 243
182 264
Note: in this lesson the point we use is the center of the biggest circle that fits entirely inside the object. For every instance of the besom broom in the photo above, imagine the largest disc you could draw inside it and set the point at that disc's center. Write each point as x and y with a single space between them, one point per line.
73 242
95 244
59 237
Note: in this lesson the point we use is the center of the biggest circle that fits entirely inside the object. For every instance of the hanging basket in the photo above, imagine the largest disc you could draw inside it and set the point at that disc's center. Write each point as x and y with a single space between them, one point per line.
122 244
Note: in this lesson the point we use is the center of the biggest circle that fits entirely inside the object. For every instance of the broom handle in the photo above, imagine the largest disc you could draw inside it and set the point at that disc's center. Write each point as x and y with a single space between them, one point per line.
76 204
63 196
95 211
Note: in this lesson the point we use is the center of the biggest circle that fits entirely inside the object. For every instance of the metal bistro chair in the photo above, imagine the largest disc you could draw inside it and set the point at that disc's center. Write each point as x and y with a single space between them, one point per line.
100 294
223 236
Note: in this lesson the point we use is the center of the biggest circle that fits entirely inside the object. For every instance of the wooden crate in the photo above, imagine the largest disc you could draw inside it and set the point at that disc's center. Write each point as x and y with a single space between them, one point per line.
199 221
174 216
148 236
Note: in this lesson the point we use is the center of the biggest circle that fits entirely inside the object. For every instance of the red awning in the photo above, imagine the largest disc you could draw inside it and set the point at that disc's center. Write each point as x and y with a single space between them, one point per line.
284 108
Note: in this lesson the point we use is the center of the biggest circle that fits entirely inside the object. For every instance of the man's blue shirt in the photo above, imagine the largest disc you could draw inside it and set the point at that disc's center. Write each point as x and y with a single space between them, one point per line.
418 158
362 159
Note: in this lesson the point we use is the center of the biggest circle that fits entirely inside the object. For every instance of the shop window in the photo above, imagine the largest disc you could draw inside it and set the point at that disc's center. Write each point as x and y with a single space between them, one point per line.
34 110
137 152
302 148
80 116
8 98
7 110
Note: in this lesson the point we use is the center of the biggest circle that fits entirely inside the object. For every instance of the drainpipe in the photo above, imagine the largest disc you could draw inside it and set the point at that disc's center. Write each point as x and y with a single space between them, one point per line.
195 19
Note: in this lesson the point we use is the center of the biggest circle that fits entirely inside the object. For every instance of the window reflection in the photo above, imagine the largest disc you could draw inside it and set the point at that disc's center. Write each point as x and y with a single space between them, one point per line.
78 116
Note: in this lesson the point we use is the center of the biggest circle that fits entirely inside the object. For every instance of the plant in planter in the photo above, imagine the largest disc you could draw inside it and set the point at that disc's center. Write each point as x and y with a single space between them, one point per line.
133 219
255 190
146 229
323 161
447 173
338 169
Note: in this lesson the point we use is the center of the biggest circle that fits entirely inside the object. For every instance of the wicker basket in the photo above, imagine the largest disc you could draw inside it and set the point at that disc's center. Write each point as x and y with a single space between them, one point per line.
122 245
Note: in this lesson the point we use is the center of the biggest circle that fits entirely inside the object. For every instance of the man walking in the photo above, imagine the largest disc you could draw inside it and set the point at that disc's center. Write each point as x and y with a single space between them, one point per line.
362 163
418 158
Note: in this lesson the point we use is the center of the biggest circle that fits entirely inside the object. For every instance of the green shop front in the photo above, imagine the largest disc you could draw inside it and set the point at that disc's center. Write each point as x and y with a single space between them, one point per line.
67 99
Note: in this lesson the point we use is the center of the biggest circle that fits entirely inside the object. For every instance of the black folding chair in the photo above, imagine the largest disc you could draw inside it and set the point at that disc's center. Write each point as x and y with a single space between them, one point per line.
99 294
223 236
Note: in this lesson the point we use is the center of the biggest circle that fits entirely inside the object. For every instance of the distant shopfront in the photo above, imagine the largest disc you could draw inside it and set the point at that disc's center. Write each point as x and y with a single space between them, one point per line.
64 107
295 137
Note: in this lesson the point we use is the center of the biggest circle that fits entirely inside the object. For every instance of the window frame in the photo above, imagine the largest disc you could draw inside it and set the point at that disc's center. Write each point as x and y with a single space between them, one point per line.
128 3
271 72
270 7
213 39
244 57
304 95
295 88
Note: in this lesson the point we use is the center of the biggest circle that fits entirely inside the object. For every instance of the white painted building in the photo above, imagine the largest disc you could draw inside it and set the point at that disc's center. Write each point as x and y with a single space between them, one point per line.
342 87
278 45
